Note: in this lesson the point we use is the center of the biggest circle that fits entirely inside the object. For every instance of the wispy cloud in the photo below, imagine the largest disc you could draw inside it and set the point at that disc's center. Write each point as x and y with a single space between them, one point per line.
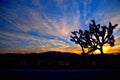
46 25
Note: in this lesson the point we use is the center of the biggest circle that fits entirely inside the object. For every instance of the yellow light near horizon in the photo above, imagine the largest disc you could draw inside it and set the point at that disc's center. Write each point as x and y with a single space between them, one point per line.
97 52
105 49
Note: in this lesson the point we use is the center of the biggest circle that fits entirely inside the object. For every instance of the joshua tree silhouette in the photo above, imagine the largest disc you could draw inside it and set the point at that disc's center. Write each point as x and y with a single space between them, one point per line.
95 37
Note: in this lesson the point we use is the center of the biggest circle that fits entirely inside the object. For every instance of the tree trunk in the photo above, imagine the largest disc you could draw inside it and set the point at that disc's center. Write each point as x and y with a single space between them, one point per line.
82 50
101 50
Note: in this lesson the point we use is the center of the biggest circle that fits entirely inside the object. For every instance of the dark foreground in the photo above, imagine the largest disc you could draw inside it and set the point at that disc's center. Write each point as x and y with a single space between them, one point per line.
59 66
60 74
57 60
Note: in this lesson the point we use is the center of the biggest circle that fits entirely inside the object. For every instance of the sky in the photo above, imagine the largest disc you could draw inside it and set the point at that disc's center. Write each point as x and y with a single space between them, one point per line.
45 25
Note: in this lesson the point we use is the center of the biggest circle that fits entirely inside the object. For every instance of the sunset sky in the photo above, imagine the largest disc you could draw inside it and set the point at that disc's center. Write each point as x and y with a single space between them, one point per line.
46 25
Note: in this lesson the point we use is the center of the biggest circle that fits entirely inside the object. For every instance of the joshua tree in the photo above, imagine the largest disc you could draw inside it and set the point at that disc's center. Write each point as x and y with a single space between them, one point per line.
95 37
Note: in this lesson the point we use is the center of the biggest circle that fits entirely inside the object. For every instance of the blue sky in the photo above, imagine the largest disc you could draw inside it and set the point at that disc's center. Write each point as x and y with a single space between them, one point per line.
45 25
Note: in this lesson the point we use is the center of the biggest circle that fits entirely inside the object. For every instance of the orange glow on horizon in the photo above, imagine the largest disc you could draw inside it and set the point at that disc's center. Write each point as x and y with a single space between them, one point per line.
70 49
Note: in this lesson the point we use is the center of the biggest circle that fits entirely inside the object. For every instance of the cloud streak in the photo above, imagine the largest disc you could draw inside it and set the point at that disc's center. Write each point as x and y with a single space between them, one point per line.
46 25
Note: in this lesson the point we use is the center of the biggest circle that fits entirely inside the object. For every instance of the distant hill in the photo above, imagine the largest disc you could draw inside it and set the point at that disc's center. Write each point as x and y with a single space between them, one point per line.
54 53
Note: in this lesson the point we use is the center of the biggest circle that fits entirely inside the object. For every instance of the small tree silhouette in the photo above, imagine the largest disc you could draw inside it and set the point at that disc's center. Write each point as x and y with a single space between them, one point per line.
95 37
